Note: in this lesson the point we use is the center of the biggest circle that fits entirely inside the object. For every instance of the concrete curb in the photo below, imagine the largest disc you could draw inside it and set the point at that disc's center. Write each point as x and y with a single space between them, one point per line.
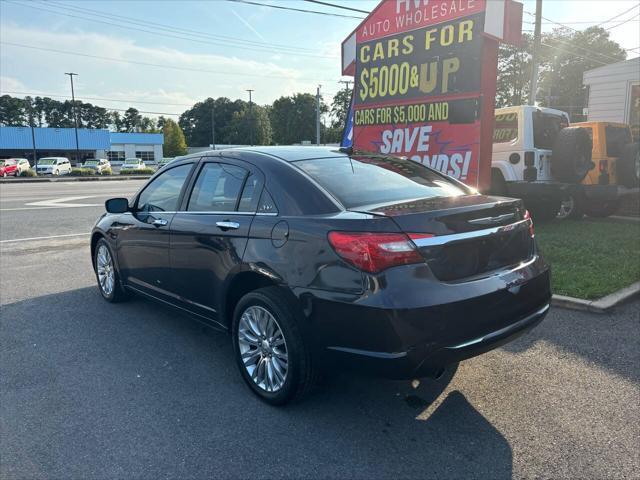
67 178
601 305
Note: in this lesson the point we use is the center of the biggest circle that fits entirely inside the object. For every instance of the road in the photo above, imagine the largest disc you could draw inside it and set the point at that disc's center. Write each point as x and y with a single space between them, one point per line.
94 390
29 210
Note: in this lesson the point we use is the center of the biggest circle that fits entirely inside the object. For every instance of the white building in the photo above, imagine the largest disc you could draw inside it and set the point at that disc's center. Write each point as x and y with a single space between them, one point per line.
614 93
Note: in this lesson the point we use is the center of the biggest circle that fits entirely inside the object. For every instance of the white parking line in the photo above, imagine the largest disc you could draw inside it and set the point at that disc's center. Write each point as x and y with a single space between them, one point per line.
44 238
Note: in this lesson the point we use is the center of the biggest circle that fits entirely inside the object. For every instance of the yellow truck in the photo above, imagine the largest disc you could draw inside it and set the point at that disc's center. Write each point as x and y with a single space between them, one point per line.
616 159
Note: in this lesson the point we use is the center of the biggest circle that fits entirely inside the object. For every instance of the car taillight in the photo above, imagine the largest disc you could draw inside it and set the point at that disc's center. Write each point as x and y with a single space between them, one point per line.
604 166
375 252
527 216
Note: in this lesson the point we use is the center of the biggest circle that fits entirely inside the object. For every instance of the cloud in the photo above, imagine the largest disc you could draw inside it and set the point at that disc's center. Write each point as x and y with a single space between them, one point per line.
44 71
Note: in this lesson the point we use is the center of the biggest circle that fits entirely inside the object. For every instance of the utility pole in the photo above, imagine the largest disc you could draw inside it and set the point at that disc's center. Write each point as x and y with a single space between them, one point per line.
250 117
318 115
536 53
75 115
33 138
213 125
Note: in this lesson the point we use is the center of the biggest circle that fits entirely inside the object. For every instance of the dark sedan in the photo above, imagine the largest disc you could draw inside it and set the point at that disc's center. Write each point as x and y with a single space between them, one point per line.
316 259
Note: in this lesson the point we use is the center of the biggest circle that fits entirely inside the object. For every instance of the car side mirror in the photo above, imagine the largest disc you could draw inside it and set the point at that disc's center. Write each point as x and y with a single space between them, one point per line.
117 205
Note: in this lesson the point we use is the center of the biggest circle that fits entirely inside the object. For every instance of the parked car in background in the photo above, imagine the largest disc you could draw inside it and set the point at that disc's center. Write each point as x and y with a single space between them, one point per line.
539 157
99 165
164 161
616 159
8 167
321 258
13 166
53 166
132 164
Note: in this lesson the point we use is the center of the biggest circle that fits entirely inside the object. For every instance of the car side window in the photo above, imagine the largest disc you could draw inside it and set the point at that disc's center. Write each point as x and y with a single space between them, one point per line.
217 188
248 199
266 204
163 193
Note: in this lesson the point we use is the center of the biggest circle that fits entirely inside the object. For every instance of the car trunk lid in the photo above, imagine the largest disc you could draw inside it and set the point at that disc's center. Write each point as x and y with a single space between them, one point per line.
463 237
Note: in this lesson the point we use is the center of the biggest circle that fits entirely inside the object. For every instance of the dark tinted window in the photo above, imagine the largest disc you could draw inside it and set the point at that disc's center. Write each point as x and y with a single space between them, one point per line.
266 204
617 138
163 193
359 181
546 127
217 188
248 200
505 128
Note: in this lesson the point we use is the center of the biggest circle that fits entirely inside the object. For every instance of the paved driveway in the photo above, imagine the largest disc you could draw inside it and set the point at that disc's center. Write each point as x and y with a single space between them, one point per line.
93 390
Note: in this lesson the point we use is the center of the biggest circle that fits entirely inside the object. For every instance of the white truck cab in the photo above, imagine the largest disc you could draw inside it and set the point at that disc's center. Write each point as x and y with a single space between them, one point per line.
538 157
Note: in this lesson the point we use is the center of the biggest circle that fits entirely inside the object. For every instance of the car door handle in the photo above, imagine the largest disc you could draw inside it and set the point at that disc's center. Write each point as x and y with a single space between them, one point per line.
226 225
159 222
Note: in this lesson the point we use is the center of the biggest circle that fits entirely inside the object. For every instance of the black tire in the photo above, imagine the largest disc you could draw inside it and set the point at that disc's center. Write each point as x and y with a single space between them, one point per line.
118 293
572 207
602 209
300 376
571 158
498 184
543 211
628 166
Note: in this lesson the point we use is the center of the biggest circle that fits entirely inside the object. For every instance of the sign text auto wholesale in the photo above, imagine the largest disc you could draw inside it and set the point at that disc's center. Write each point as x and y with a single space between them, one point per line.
420 83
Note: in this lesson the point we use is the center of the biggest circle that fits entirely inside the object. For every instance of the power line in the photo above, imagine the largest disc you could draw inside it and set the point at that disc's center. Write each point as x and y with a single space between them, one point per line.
338 6
591 52
626 21
179 37
111 16
574 54
301 10
158 65
103 99
619 15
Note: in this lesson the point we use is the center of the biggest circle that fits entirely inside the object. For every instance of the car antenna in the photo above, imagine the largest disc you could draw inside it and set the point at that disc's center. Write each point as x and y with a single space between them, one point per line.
347 150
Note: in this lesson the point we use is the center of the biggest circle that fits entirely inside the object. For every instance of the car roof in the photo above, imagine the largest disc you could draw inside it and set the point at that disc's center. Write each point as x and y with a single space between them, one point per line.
287 153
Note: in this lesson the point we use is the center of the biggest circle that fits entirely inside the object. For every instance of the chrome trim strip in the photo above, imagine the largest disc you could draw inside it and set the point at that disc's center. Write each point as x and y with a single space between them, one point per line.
368 353
513 326
492 220
444 239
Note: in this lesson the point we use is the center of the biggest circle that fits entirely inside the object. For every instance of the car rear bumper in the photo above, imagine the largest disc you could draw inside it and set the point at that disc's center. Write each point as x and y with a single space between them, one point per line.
414 342
427 361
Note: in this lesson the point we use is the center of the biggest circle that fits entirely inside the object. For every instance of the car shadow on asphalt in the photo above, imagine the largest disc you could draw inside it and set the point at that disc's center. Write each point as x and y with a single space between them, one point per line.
609 340
139 389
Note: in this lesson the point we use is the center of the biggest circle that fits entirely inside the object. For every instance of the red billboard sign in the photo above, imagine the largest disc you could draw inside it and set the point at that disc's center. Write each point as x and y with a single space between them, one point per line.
425 76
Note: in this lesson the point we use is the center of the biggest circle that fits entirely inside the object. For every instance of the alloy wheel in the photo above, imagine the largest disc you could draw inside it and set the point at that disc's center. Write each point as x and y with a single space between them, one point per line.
567 206
104 267
263 348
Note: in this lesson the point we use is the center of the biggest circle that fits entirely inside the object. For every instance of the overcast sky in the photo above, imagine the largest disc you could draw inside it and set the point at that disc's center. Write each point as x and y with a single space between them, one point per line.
232 47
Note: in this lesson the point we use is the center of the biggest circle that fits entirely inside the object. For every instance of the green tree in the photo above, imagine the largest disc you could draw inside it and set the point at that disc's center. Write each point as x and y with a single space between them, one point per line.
197 121
131 120
12 112
566 55
174 142
514 73
340 107
249 124
293 119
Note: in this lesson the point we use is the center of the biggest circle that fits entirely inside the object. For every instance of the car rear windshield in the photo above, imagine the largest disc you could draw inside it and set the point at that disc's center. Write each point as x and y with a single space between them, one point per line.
47 161
617 138
360 181
91 162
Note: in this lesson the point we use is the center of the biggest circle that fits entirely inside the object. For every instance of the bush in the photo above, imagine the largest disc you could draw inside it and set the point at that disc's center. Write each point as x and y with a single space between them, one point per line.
107 171
144 171
28 173
82 172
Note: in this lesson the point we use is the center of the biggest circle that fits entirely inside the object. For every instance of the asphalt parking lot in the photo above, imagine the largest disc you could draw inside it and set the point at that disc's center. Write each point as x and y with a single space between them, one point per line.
136 390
